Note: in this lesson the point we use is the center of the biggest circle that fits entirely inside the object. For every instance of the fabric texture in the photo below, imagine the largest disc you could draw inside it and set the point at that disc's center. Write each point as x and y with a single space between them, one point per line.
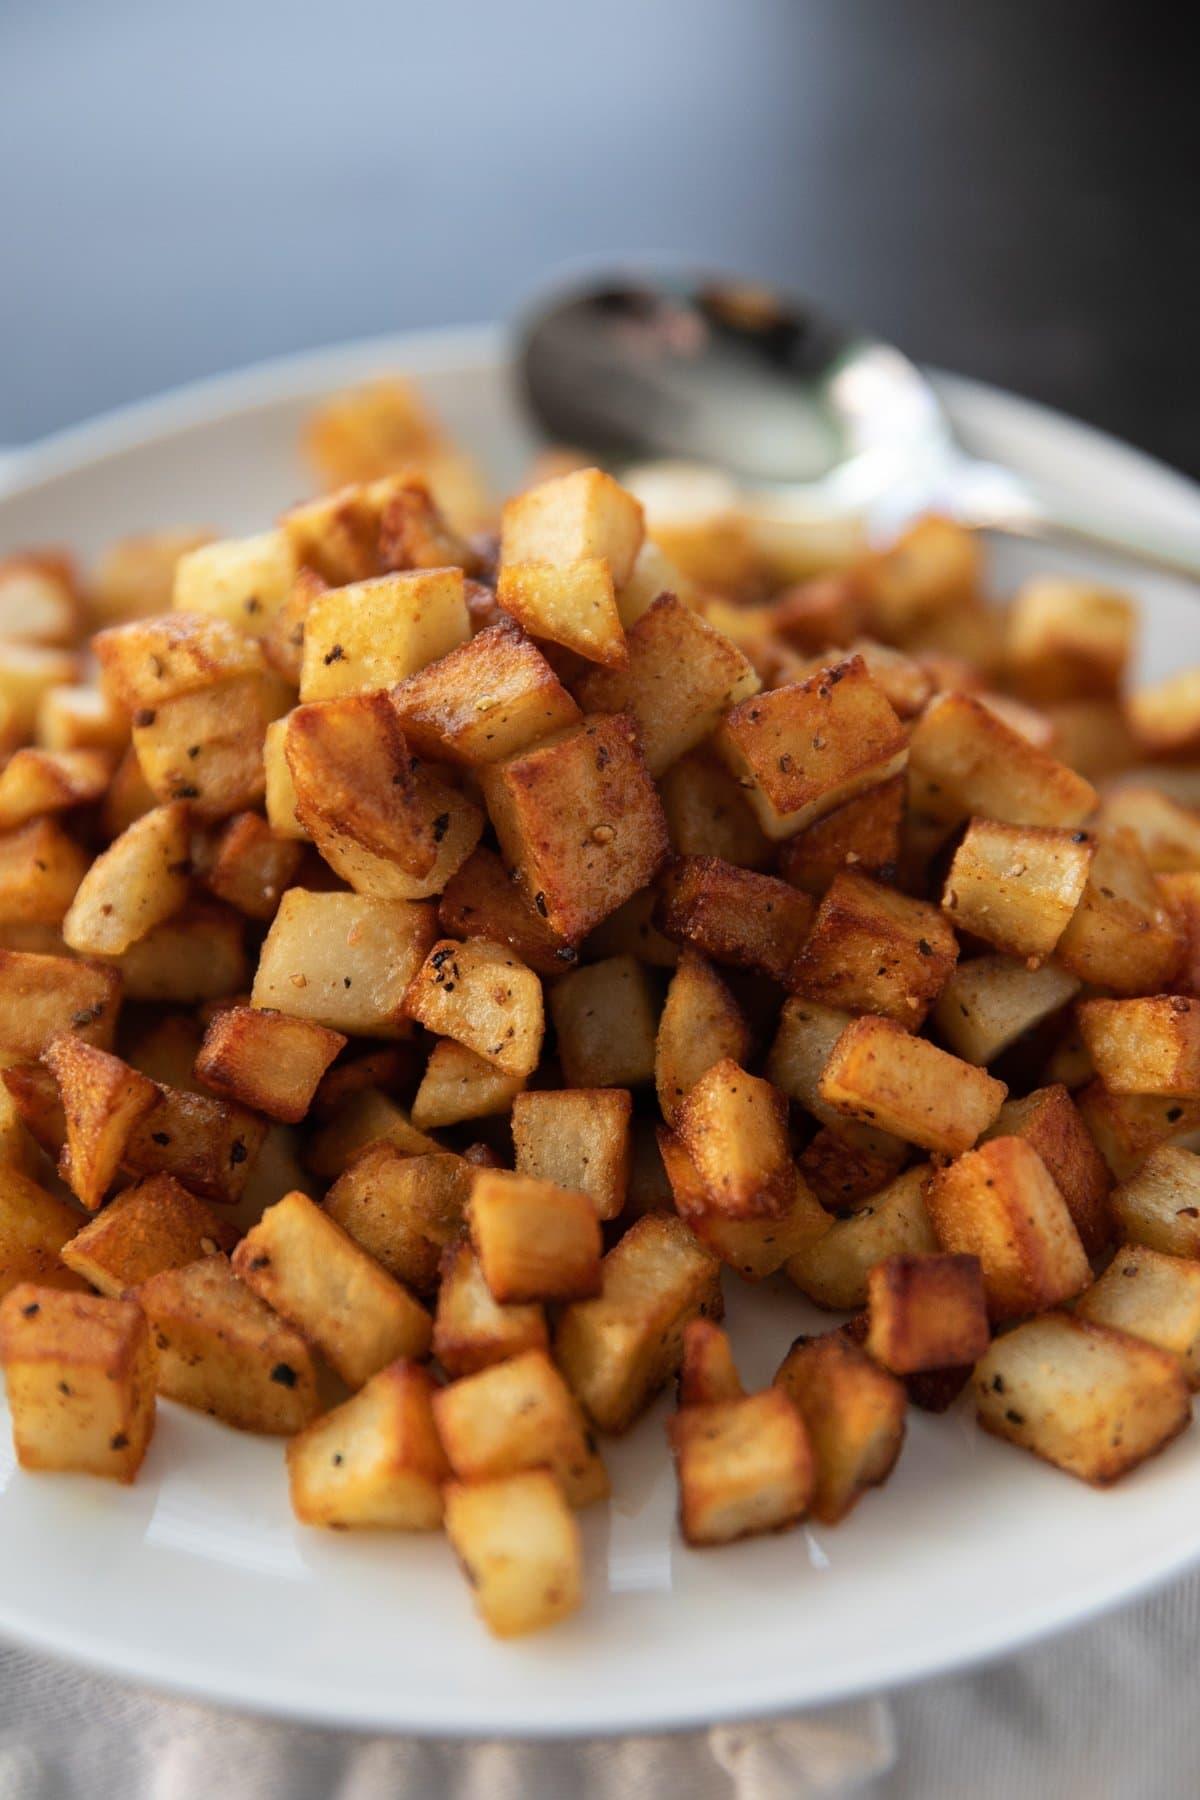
1106 1712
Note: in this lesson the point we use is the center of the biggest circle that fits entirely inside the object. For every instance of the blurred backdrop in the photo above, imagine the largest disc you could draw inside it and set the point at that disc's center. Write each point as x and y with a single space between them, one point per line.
1003 187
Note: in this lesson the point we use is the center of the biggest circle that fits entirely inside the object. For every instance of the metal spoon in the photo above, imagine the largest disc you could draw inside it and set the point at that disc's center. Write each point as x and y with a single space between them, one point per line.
798 409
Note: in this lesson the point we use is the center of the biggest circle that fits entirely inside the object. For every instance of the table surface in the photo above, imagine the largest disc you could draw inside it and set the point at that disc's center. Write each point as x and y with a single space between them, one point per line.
1004 190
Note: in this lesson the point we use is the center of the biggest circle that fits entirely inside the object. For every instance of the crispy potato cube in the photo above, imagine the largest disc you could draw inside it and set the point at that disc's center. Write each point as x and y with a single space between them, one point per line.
375 1462
1000 1203
734 1128
154 1225
40 872
209 1145
302 1263
733 915
404 1210
34 1226
471 1329
27 673
364 1117
1122 935
707 813
1168 832
577 517
1145 1046
863 835
43 996
653 575
965 761
279 796
826 612
853 1412
1159 1203
578 1138
33 1093
1069 640
572 604
337 535
80 1376
834 1270
34 781
223 1351
199 954
515 1415
606 1019
139 881
483 996
1166 717
207 746
933 568
701 1024
744 1467
520 1549
492 697
458 1084
1093 1401
1152 1296
266 1060
38 602
244 581
926 1312
989 1002
373 633
874 950
619 1349
534 1239
804 1041
755 1247
1092 736
102 1100
803 750
452 821
1016 886
151 661
842 1170
707 1373
696 517
1050 1121
1127 1127
880 1073
354 779
579 819
482 900
252 866
343 960
681 678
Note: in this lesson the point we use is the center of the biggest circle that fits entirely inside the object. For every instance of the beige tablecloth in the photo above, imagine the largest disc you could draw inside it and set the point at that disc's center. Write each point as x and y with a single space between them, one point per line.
1110 1712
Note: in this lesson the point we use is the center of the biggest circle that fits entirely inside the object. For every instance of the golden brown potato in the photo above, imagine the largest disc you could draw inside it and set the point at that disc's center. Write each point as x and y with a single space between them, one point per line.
43 996
579 1139
206 746
252 865
1069 640
733 915
744 1466
1159 1204
877 1072
863 835
1146 1046
1153 1296
404 1210
103 1099
573 604
492 697
354 778
874 950
1017 886
966 762
1049 1120
515 1415
579 516
151 661
80 1375
33 782
266 1060
926 1312
371 634
534 1239
701 1024
27 673
707 1372
834 1270
458 1084
853 1412
244 581
482 900
364 1117
1127 1128
483 996
197 955
34 1226
1166 718
755 1246
375 1461
38 599
520 1549
154 1225
344 961
991 1001
1121 935
707 813
733 1126
41 868
472 1330
208 1145
139 881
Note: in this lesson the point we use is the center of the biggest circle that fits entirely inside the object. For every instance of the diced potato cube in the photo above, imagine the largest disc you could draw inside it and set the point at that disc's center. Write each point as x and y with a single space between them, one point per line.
1122 935
926 1312
874 950
34 781
1049 1120
266 1060
734 1128
733 915
534 1239
1095 1402
707 1373
708 814
755 1246
989 1002
681 678
834 1270
198 954
354 779
653 575
1168 832
843 1169
208 1145
863 835
373 1462
458 1084
404 1210
343 960
492 697
803 750
606 1019
880 1073
701 1024
578 516
43 996
1166 718
853 1412
1069 640
964 761
241 580
1159 1203
33 1094
1126 1128
579 819
482 900
38 602
223 1351
520 1549
577 1138
483 996
1146 1046
1016 886
139 881
744 1467
572 604
252 866
102 1100
280 796
619 1349
1000 1203
80 1376
40 872
34 1226
207 746
632 931
360 1119
372 634
519 1414
1152 1296
472 1330
151 1226
301 1262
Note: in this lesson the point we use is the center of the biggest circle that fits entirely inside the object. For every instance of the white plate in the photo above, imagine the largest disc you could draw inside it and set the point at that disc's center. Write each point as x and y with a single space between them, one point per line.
197 1579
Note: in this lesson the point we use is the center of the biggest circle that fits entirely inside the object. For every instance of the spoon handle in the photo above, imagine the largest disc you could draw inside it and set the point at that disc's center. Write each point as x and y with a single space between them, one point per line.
994 499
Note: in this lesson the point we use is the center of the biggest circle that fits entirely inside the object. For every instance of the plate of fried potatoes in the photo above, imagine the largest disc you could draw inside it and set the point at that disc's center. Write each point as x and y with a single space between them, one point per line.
597 1094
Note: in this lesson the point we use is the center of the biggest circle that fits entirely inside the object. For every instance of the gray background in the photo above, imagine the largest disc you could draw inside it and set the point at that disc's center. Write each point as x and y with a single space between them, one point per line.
1003 186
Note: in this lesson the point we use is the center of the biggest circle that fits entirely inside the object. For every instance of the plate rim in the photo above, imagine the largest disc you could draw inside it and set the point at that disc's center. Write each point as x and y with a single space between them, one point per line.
259 386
